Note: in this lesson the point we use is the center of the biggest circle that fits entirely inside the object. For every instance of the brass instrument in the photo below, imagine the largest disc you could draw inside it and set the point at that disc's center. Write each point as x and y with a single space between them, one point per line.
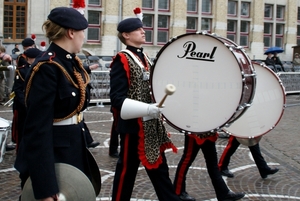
11 99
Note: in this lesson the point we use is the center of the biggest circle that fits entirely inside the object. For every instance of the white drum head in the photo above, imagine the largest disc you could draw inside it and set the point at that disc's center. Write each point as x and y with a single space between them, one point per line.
266 109
4 123
207 78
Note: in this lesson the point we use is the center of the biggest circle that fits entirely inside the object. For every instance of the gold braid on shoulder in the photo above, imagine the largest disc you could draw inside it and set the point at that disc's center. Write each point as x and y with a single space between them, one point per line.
82 83
19 74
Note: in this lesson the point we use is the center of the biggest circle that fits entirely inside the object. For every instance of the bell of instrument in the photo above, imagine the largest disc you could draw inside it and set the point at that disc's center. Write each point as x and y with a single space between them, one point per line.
249 141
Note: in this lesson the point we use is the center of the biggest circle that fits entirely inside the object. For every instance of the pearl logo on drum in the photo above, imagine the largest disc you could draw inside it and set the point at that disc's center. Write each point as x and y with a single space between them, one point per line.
190 53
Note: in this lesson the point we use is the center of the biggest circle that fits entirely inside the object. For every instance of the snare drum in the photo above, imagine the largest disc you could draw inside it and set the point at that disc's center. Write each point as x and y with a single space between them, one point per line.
214 81
266 109
4 127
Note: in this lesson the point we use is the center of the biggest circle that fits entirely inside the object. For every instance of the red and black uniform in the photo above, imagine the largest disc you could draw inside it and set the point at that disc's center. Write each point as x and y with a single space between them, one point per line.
232 146
140 141
192 145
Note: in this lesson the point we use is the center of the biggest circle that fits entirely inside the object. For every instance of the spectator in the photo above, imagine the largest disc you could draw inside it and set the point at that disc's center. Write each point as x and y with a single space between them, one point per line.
16 50
270 62
278 63
296 63
5 60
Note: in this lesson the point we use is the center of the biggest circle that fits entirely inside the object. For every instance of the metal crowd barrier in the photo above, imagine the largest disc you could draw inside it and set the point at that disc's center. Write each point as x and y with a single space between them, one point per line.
100 83
291 81
101 88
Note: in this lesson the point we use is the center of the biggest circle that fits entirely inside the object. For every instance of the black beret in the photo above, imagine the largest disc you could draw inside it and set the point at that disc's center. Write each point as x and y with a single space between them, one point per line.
129 25
68 18
27 42
32 52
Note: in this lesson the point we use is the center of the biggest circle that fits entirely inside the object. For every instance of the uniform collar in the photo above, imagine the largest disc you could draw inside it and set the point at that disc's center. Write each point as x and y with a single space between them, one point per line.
135 49
60 52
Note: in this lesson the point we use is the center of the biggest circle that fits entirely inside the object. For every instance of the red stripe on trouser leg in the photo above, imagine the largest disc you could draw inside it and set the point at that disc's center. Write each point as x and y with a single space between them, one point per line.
221 161
124 170
184 166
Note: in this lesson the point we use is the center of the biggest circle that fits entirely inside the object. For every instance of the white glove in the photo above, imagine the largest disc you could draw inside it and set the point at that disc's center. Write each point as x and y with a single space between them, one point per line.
10 67
154 111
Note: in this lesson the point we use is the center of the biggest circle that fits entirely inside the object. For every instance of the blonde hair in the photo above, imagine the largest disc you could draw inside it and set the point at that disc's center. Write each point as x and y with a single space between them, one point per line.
122 39
53 31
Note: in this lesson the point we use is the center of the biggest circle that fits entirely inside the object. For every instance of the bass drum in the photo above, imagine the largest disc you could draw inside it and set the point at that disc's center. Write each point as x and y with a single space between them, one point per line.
214 81
266 110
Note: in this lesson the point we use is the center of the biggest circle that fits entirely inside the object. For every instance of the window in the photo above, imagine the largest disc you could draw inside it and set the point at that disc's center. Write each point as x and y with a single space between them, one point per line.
267 35
93 30
268 11
231 9
206 6
231 30
298 14
245 9
148 27
298 34
192 24
192 6
14 20
147 4
163 5
163 29
244 33
206 24
156 25
94 2
280 13
279 35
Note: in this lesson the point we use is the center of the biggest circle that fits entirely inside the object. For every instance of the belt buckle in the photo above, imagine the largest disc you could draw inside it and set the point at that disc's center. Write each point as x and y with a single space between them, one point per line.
79 118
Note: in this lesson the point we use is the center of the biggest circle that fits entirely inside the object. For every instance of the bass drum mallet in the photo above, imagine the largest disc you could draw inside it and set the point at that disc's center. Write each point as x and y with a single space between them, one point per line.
169 90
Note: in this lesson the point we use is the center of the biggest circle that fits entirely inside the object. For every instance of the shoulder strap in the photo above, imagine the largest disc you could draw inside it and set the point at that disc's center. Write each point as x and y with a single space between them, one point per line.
133 57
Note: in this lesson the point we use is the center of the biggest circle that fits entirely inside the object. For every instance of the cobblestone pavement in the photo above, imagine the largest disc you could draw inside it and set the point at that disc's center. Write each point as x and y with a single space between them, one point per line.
280 147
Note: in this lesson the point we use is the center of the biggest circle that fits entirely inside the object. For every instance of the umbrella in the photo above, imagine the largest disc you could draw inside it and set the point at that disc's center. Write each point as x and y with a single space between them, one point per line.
273 50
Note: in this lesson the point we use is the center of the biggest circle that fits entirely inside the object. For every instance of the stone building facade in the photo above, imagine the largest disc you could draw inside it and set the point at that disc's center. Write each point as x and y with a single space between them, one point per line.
168 19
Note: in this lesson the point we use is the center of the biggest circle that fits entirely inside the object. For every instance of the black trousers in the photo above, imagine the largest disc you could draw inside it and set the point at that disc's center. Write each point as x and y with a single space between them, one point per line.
126 171
232 146
114 139
191 149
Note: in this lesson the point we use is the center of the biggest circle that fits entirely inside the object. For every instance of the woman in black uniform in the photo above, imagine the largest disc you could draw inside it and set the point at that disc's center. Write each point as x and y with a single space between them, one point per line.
56 93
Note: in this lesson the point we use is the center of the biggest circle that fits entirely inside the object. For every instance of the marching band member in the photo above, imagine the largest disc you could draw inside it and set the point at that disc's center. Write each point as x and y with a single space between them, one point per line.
260 162
56 93
19 109
192 144
143 137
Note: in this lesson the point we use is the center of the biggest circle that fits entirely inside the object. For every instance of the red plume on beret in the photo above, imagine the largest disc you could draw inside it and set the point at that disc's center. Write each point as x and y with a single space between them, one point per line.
79 5
43 46
33 37
43 43
137 10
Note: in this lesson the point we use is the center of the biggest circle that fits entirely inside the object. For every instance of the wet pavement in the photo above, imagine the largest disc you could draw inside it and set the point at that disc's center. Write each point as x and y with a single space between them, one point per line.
280 148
